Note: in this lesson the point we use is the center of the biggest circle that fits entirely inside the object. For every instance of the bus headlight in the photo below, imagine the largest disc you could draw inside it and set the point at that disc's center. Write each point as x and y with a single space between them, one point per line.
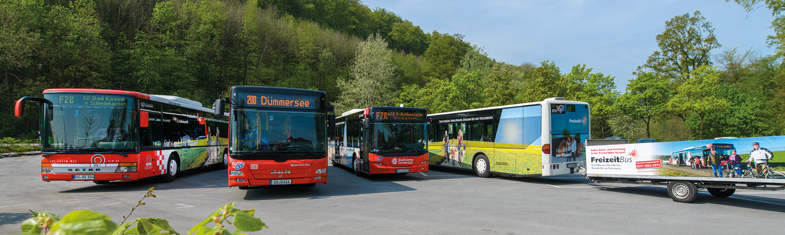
47 168
126 167
236 173
321 170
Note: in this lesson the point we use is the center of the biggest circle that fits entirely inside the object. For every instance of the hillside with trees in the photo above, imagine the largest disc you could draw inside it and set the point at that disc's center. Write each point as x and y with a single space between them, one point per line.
197 49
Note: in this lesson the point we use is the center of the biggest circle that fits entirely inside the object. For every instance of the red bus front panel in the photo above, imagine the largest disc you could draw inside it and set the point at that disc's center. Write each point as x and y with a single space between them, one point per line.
101 167
270 172
397 164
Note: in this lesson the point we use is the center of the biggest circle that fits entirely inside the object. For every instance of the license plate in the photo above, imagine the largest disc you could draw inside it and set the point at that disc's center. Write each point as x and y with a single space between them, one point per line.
280 182
402 171
84 177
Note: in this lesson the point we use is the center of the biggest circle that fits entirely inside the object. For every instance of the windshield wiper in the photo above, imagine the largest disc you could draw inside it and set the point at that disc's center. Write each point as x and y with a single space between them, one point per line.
44 154
111 152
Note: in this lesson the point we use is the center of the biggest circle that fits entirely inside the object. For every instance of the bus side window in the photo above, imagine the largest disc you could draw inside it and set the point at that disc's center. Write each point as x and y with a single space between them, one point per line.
488 135
151 135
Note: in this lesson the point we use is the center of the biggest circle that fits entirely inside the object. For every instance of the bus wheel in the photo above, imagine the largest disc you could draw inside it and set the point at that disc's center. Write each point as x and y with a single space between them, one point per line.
101 182
681 191
225 163
481 166
355 165
721 192
172 169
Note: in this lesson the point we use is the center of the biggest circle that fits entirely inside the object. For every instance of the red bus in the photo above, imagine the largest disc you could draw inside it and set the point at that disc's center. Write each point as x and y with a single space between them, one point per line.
382 140
277 136
104 135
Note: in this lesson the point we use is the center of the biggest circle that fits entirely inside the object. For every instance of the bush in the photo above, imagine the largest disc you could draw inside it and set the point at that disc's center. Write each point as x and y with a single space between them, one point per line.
89 222
13 145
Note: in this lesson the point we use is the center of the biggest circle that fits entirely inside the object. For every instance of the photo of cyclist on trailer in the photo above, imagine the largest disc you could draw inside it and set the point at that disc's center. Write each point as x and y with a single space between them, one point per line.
760 158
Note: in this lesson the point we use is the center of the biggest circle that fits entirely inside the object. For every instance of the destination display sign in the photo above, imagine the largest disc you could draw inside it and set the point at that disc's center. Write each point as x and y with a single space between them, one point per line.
398 115
88 100
246 99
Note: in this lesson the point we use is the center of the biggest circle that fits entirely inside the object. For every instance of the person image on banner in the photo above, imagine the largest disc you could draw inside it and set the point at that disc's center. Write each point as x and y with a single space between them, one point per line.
715 161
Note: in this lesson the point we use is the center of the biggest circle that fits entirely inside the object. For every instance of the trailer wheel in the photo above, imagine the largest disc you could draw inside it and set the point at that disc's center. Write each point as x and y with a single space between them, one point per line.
721 192
681 191
481 166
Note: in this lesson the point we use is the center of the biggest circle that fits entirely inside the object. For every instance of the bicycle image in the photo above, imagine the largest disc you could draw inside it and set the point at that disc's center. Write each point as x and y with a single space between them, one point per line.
768 172
728 170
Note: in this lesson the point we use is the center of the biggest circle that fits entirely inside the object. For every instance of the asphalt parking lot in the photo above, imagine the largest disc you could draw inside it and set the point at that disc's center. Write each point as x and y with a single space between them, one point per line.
439 202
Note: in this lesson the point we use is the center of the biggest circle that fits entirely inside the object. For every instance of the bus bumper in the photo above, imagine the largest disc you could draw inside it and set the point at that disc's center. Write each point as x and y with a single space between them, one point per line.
89 176
382 169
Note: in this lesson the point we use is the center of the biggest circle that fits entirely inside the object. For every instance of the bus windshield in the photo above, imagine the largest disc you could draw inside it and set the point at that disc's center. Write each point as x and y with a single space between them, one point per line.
278 132
399 137
89 122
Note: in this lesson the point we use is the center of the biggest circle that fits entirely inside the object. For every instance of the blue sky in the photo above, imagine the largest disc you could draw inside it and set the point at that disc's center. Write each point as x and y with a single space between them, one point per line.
612 37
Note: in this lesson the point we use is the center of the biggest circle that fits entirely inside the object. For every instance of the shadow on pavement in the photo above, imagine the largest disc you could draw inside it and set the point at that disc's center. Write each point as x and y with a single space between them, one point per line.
14 218
737 200
340 182
197 178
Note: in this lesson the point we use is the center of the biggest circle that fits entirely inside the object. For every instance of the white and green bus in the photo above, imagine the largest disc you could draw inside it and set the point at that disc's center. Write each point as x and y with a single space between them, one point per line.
542 138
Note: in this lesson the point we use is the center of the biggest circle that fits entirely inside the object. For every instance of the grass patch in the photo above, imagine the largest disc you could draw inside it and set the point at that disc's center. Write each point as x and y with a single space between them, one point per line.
667 172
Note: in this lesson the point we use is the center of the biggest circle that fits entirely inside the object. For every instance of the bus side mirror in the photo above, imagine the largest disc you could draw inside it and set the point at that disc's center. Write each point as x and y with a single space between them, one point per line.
218 107
19 107
144 119
366 123
331 120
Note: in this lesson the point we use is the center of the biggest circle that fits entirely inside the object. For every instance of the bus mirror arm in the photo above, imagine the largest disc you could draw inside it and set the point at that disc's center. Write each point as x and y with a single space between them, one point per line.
19 107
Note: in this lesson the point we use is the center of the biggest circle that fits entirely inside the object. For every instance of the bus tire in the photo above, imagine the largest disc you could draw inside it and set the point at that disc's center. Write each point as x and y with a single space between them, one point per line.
225 163
721 192
682 191
172 168
355 165
482 167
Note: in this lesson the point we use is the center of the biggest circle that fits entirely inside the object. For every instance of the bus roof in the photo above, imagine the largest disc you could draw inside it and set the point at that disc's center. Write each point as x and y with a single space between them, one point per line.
283 90
167 99
705 146
548 100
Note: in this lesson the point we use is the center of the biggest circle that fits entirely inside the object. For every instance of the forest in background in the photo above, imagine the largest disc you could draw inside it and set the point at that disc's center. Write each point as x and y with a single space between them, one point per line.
688 89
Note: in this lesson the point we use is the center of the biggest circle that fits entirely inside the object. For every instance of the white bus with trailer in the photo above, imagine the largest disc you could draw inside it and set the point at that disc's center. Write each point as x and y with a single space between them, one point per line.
647 163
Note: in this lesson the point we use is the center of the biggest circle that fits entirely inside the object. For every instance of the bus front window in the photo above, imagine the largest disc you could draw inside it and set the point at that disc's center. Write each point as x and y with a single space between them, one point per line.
89 122
265 132
399 137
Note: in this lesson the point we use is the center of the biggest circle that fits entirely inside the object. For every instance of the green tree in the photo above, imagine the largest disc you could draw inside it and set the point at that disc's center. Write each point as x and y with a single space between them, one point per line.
646 98
498 90
685 45
598 90
443 55
160 64
699 96
777 8
543 82
373 77
408 37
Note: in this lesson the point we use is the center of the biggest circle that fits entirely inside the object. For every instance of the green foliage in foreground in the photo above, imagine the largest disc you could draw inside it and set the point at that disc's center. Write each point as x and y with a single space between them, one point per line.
90 222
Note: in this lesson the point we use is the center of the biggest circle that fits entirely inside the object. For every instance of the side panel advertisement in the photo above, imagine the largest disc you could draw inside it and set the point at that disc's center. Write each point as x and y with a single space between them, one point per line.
756 157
